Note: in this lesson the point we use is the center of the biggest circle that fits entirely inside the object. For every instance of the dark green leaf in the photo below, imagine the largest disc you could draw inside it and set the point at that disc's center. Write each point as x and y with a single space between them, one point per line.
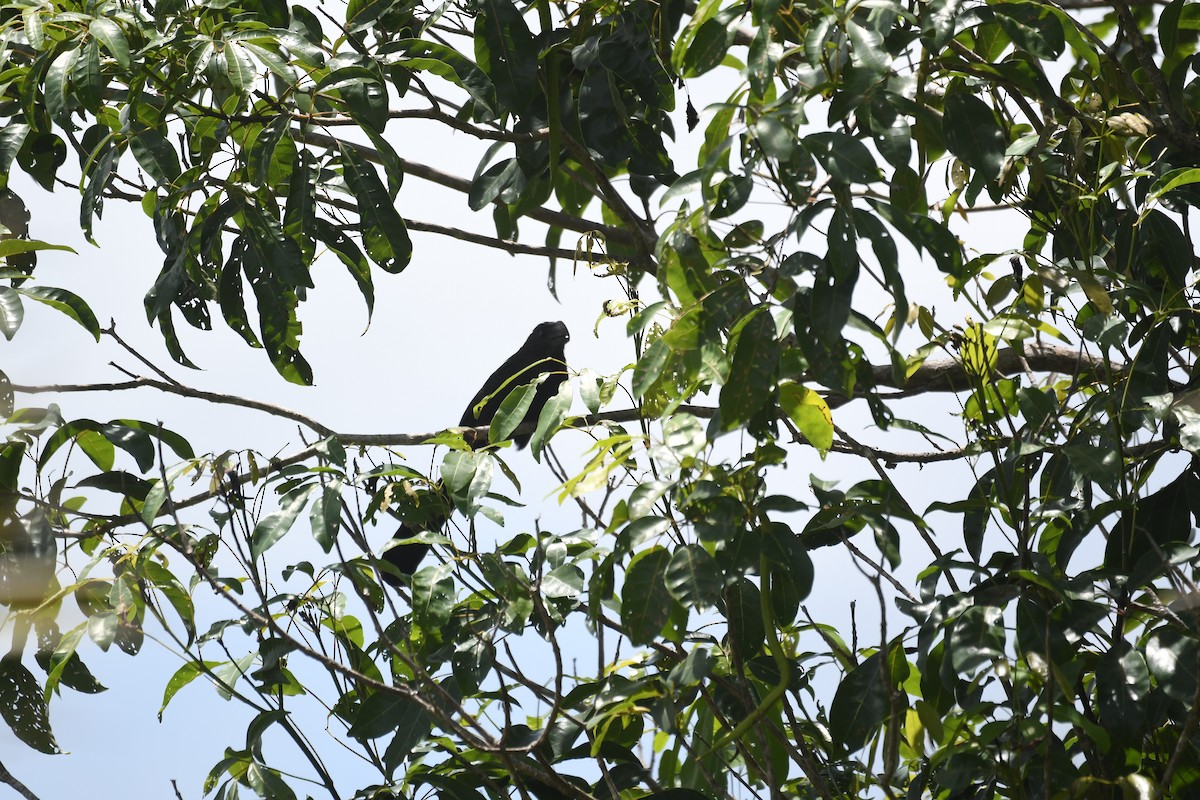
752 375
505 51
68 303
645 602
384 233
860 704
973 134
109 34
694 578
271 528
846 159
23 707
155 154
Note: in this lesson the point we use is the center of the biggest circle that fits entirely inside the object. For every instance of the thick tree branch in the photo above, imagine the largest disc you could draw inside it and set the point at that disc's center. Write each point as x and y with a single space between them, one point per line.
948 375
935 375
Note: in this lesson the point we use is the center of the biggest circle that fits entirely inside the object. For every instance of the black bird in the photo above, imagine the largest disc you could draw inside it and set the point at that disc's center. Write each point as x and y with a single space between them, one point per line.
542 354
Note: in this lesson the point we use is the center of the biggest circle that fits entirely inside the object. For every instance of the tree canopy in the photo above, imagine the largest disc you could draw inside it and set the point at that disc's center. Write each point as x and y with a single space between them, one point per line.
986 202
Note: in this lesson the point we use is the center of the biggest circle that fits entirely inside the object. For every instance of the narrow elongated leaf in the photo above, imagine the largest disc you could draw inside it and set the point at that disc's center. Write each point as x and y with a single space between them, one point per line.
59 102
325 514
67 302
272 527
350 255
448 63
811 414
109 34
512 411
378 715
7 396
505 50
12 313
552 416
752 374
383 230
412 725
182 677
859 704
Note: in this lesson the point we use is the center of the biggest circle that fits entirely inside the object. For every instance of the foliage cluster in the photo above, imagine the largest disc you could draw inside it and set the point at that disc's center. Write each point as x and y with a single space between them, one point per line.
1048 646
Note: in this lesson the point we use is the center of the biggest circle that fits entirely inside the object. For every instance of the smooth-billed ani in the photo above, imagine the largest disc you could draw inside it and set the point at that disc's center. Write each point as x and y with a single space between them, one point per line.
542 354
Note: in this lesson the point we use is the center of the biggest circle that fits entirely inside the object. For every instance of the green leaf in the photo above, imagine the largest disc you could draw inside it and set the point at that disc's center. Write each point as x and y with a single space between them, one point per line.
1032 27
505 51
707 49
266 268
12 313
413 726
467 476
552 416
378 715
940 21
1122 683
432 601
170 438
182 677
23 707
66 667
86 435
846 159
162 579
868 48
229 673
325 515
649 367
271 528
694 578
68 303
752 374
448 63
977 639
109 34
86 79
743 611
512 410
860 704
383 230
811 414
1173 658
350 255
973 134
645 601
155 155
123 483
59 103
102 629
7 397
1173 180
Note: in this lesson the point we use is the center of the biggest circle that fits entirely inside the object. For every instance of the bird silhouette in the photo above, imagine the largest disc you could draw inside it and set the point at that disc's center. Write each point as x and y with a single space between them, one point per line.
543 353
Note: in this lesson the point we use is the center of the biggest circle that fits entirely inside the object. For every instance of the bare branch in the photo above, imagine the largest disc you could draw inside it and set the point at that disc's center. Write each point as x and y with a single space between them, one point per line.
548 216
20 788
948 375
182 391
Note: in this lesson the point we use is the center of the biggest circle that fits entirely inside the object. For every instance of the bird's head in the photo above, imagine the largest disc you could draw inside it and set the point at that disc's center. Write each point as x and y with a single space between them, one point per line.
551 333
